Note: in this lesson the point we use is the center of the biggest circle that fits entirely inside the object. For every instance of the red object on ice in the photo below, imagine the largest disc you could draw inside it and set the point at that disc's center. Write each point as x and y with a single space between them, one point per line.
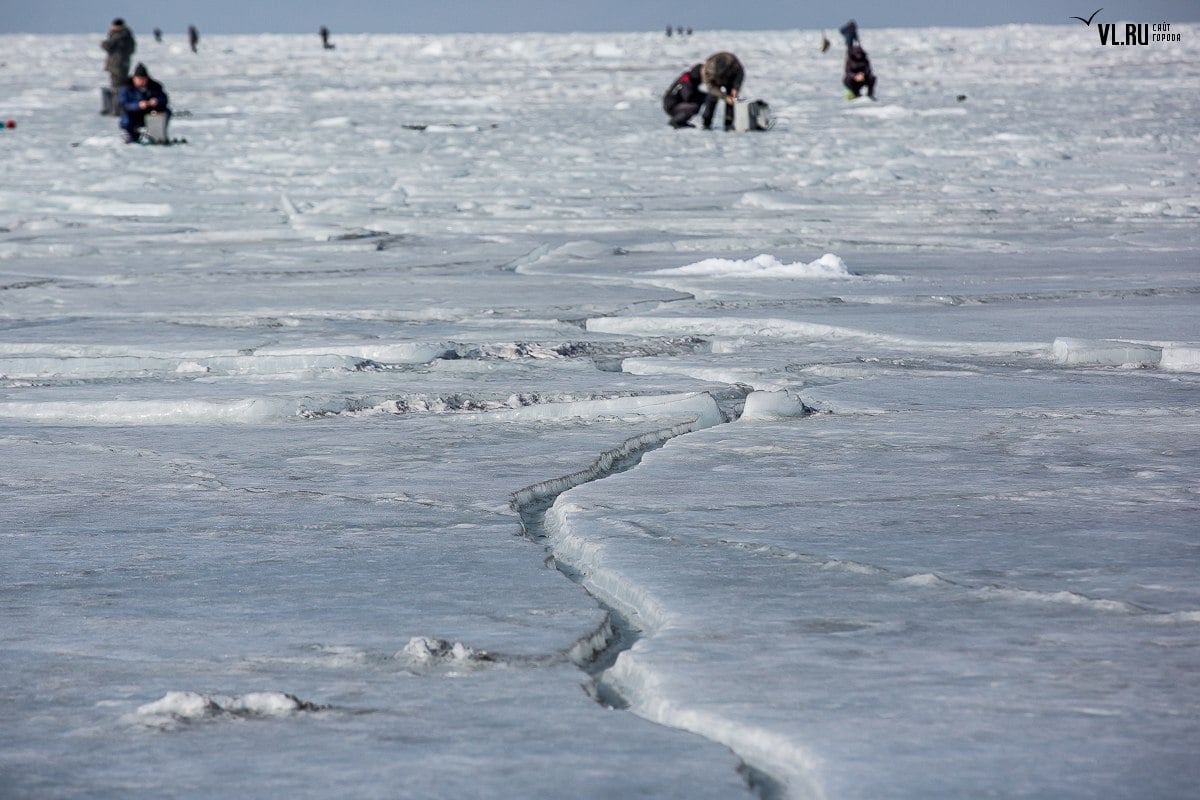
12 123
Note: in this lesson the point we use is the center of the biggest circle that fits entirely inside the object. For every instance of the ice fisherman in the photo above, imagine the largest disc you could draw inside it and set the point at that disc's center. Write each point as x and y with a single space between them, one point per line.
325 38
140 96
858 75
722 74
849 32
685 97
120 46
193 37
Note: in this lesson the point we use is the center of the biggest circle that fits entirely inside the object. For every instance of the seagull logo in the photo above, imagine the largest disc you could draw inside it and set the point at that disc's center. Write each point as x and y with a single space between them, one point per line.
1088 21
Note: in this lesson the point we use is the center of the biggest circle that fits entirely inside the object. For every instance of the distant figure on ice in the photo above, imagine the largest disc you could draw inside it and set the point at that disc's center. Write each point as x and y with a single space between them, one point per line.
120 46
849 32
683 100
723 75
670 30
193 37
140 96
858 73
325 38
158 35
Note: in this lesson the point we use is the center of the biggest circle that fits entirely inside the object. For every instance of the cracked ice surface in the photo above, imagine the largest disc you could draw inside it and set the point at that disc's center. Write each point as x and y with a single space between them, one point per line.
271 403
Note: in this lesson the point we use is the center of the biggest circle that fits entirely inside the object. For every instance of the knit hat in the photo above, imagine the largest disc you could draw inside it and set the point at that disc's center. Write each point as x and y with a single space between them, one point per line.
118 22
140 71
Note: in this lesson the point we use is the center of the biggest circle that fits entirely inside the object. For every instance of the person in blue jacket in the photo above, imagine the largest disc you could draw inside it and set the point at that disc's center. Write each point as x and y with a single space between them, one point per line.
140 96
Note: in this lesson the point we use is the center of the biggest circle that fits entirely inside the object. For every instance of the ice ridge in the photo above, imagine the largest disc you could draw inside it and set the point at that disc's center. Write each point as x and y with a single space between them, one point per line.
630 611
180 706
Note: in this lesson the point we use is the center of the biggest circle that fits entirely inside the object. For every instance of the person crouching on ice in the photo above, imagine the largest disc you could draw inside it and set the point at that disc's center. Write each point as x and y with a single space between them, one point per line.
140 96
683 100
723 75
858 73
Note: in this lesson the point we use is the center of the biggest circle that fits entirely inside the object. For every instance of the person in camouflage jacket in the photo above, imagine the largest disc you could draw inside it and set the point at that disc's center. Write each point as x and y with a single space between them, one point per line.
723 75
120 46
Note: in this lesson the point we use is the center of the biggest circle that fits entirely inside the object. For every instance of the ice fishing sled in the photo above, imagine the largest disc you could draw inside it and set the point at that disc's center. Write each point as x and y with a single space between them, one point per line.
754 115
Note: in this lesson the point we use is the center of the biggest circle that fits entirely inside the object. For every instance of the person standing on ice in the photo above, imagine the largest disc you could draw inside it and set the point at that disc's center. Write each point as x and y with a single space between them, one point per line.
120 46
193 37
140 96
683 100
849 32
858 75
723 75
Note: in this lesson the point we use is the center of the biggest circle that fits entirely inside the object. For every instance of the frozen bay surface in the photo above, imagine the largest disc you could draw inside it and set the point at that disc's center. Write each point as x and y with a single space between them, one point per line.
437 422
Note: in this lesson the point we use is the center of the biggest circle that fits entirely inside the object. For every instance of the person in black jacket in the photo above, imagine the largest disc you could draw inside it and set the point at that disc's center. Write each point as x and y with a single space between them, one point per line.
684 98
723 75
849 32
858 73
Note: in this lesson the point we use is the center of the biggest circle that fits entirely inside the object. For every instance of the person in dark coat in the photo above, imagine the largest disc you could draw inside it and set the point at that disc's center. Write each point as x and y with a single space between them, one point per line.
120 46
723 75
140 96
325 38
858 73
683 100
849 32
193 37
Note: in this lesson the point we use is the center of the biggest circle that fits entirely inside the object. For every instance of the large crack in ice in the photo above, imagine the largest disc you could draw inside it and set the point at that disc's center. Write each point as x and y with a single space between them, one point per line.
597 653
